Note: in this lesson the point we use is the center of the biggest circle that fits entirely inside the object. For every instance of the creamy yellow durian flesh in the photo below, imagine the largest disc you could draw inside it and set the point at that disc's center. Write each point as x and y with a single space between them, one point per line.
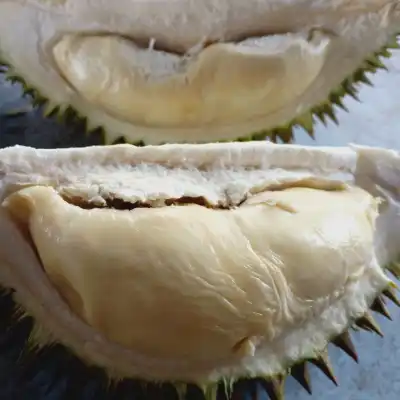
195 71
196 263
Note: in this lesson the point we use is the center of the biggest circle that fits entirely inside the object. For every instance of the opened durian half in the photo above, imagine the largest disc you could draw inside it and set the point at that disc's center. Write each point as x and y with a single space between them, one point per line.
200 264
196 71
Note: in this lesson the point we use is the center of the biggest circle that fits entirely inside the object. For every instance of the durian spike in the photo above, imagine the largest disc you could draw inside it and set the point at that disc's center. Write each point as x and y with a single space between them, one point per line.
181 390
389 293
306 121
344 342
321 116
228 387
323 363
330 112
350 89
393 44
301 373
376 63
210 391
386 53
274 387
285 134
338 100
361 76
394 268
379 306
367 322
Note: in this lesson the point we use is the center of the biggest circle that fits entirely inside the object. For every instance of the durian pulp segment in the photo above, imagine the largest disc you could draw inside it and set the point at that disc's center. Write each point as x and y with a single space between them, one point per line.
315 86
207 306
222 85
256 320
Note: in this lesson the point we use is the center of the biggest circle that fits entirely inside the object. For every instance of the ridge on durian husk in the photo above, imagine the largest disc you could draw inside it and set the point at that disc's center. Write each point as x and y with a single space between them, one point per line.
110 171
345 52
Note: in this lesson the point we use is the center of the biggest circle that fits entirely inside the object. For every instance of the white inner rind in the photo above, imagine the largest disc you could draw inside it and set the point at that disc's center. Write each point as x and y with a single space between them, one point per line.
263 354
221 85
30 31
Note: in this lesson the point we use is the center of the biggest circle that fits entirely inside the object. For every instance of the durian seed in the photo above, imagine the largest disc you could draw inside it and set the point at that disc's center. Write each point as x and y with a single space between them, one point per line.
367 322
344 342
274 387
323 363
389 293
301 373
379 306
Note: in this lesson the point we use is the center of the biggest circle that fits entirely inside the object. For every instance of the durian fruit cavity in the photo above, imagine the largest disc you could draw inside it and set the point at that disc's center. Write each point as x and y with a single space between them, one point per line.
218 85
197 263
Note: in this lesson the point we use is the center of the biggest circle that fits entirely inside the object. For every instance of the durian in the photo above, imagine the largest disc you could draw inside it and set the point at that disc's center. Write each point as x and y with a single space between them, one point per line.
200 265
153 72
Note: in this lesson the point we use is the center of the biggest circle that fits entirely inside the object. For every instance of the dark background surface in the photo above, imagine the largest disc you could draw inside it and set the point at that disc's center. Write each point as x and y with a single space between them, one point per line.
374 122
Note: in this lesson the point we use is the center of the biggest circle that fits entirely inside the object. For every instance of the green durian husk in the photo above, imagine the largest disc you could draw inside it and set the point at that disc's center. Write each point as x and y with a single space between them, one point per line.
285 133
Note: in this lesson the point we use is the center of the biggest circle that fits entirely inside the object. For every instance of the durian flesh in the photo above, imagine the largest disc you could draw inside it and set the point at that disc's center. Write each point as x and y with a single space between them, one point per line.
194 71
196 263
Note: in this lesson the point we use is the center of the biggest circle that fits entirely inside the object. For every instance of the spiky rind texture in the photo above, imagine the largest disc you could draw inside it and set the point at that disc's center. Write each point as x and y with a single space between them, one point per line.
323 112
37 349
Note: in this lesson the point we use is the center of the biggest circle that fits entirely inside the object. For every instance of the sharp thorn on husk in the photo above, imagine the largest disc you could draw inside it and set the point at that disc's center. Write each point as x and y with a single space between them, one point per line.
284 134
332 115
338 100
344 342
306 121
385 53
323 364
301 374
320 115
361 76
211 391
393 44
274 387
389 293
181 390
367 322
350 89
375 63
394 268
379 306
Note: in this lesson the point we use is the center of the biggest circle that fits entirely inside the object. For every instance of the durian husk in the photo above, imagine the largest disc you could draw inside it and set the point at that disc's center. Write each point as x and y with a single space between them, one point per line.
285 133
372 173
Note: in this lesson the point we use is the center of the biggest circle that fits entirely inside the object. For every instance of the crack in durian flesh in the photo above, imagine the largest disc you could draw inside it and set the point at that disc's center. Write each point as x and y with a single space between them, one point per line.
220 281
